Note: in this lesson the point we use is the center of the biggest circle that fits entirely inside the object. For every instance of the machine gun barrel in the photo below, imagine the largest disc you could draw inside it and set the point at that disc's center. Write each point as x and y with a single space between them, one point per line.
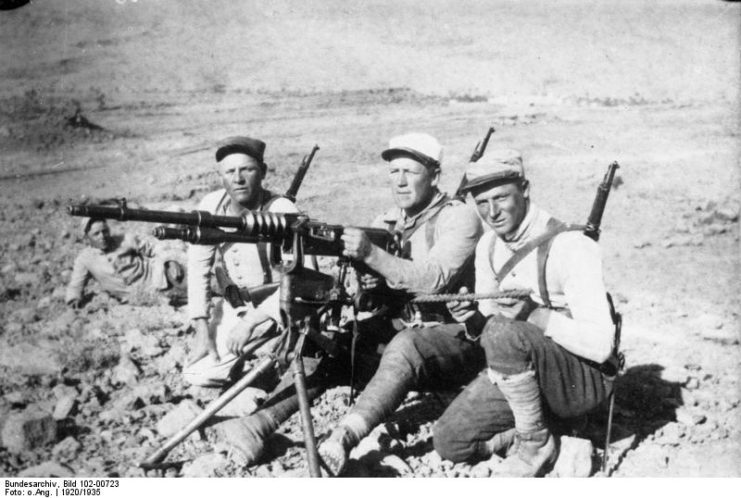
592 229
201 227
123 213
202 235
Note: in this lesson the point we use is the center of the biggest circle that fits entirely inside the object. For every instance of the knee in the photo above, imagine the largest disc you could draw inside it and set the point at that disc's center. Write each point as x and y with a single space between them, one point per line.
204 373
500 334
198 378
448 443
403 348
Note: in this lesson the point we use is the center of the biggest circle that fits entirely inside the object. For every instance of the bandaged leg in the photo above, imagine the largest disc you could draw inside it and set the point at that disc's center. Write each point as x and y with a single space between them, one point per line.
510 369
436 357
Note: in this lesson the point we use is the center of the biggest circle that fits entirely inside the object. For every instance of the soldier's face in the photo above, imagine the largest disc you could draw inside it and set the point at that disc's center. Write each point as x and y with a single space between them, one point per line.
99 235
242 177
412 184
503 207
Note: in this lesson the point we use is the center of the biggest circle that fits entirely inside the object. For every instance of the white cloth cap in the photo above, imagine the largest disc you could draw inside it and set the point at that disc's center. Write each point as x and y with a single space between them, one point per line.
418 146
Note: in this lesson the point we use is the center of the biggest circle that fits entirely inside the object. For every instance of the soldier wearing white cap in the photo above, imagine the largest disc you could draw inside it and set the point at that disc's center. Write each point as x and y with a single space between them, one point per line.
554 355
241 166
442 234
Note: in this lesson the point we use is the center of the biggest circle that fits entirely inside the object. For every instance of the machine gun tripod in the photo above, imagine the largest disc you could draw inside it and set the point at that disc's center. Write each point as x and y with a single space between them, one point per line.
306 296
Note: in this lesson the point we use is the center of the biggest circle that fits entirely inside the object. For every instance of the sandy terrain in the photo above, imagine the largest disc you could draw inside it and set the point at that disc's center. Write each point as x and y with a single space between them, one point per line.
573 84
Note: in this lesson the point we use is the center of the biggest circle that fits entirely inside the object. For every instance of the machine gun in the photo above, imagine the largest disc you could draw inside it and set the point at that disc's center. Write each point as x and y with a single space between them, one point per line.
310 301
201 227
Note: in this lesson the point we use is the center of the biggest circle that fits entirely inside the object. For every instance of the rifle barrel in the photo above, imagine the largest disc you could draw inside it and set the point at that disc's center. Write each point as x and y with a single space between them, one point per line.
478 151
594 221
300 174
481 146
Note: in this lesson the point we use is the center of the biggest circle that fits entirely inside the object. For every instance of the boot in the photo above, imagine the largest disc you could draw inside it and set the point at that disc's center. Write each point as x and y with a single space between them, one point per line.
532 455
501 441
248 434
534 451
335 450
380 398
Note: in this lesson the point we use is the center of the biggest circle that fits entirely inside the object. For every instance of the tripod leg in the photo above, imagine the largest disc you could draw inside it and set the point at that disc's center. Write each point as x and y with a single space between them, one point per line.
216 405
299 377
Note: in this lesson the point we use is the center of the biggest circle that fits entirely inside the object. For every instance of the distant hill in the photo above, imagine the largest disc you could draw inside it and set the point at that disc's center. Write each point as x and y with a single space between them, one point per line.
682 50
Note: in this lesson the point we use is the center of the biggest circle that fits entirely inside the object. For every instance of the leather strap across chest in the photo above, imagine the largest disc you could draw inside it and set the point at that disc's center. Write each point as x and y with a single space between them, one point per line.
428 219
543 244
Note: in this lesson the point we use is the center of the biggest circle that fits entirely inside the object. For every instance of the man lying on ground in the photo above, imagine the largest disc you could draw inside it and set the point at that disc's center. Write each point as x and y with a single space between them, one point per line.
121 265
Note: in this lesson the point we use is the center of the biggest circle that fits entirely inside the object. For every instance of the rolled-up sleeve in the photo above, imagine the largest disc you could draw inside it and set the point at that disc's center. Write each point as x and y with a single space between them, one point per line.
457 230
590 333
200 261
79 278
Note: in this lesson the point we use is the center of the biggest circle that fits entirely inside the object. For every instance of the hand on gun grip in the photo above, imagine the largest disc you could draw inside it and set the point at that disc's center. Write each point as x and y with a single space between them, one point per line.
204 343
461 310
369 281
356 244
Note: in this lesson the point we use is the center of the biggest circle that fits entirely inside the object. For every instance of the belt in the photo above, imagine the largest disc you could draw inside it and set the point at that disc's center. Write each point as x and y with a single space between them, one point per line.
610 367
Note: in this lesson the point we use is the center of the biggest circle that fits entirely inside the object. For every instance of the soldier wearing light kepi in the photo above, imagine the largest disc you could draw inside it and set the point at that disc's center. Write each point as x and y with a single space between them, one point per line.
443 234
552 356
242 168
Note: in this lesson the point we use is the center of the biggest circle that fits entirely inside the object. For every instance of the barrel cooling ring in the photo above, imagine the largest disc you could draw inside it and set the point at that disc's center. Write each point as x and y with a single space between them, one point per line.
265 224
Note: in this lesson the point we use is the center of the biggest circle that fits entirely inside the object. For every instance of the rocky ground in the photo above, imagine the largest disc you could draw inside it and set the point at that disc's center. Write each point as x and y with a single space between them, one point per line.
103 114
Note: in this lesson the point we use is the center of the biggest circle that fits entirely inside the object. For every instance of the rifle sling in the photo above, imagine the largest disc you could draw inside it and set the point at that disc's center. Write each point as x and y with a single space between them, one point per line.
428 218
543 243
434 312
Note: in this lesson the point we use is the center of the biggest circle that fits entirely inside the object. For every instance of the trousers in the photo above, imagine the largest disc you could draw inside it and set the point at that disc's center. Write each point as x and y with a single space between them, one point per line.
437 357
570 386
207 372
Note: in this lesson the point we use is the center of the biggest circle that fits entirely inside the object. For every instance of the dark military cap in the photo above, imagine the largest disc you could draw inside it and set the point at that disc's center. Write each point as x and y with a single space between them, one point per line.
245 145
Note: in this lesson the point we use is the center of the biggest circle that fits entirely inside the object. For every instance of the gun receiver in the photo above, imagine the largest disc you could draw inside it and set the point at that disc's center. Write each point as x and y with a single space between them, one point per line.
299 177
592 228
478 151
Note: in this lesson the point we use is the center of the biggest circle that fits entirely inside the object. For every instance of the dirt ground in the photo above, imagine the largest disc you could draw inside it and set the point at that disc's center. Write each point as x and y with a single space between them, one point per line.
575 85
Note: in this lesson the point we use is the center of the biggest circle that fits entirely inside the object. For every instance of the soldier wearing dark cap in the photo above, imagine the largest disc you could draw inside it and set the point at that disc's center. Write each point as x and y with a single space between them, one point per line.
439 236
241 166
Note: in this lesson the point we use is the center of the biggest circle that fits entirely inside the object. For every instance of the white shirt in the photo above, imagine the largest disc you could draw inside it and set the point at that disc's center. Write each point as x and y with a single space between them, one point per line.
242 261
574 281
